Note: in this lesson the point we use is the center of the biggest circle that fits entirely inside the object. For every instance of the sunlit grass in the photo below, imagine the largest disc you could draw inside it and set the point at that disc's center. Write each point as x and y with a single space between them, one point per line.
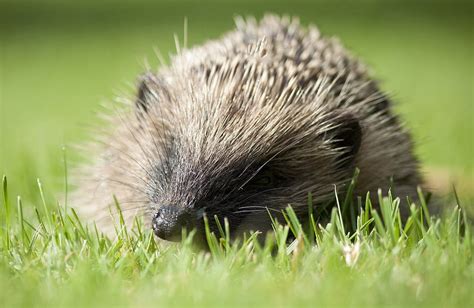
365 257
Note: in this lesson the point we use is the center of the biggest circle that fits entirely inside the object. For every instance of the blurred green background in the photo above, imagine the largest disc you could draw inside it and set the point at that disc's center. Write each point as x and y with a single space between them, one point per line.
61 59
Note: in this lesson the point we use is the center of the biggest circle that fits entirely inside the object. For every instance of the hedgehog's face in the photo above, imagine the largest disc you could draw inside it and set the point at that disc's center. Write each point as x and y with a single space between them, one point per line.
244 165
245 198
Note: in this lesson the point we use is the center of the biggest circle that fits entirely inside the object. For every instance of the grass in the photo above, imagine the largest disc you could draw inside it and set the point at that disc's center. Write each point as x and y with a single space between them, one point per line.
59 60
373 259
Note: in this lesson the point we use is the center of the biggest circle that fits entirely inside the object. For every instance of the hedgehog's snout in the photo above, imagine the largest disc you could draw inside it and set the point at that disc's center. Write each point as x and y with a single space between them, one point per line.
169 221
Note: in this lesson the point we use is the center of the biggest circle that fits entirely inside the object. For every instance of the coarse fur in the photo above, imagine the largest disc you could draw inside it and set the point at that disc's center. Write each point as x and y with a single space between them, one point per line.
245 125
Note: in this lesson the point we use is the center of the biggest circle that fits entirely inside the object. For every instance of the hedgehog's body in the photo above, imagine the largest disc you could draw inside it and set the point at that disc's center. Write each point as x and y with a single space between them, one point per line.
253 121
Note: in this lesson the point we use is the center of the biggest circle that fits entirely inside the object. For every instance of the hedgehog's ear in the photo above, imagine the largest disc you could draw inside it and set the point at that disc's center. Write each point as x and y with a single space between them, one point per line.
150 90
144 93
347 137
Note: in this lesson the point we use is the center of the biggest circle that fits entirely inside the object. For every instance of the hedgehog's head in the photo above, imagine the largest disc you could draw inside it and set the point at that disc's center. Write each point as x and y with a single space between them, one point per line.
227 145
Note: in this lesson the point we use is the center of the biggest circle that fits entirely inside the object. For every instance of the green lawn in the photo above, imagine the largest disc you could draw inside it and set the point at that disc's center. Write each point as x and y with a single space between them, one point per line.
53 260
59 60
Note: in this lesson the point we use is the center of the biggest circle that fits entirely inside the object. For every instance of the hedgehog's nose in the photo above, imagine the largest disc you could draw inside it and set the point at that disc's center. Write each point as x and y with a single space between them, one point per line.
169 221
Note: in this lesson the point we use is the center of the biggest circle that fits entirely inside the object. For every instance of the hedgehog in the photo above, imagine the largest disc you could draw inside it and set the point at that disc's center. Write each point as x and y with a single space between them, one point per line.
243 126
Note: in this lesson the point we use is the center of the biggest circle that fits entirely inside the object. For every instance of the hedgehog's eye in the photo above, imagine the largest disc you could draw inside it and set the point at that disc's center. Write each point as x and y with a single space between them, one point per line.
264 178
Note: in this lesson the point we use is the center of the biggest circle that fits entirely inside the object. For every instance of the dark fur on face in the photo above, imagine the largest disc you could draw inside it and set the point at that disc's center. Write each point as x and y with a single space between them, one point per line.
242 127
